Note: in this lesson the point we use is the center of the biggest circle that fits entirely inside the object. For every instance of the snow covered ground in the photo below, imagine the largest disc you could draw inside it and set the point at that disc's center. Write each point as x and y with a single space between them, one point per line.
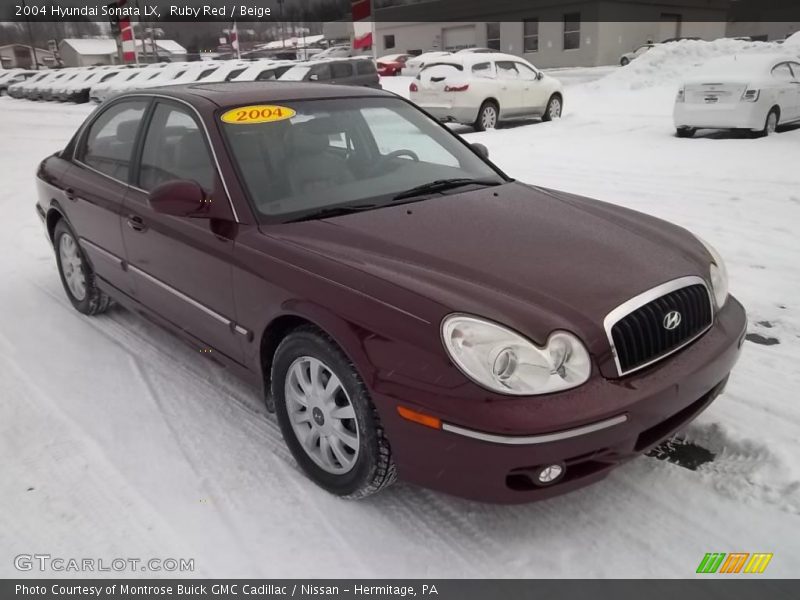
116 440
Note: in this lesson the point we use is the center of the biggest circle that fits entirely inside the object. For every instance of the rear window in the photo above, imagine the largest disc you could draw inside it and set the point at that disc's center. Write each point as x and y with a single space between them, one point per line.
482 70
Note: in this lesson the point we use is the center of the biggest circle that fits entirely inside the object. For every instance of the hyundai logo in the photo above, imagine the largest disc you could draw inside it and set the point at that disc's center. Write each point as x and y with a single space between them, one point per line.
671 320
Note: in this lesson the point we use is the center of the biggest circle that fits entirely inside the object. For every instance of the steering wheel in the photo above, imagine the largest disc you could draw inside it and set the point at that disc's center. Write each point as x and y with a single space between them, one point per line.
381 165
402 152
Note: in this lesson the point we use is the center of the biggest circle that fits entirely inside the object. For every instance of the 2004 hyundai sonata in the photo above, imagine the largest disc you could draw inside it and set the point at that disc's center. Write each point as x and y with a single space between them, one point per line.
405 307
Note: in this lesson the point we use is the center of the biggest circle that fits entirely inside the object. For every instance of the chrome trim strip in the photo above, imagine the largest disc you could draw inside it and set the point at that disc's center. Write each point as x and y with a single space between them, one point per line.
102 251
241 330
224 320
545 438
631 305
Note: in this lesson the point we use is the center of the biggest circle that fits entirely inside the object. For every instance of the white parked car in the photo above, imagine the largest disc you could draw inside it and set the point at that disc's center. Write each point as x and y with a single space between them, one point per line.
108 88
757 92
483 89
414 65
629 56
265 70
226 71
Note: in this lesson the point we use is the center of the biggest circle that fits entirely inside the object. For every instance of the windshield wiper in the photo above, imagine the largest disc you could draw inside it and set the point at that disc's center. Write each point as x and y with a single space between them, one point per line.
442 185
334 211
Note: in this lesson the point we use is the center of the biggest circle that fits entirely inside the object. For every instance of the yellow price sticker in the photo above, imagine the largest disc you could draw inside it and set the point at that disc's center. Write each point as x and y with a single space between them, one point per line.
257 113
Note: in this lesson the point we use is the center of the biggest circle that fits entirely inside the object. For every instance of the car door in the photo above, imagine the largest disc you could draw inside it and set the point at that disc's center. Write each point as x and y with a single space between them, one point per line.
534 91
320 73
795 66
785 92
96 184
509 88
342 72
180 265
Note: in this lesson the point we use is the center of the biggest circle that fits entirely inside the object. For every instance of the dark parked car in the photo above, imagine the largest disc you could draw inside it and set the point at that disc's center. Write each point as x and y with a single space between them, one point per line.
404 306
347 71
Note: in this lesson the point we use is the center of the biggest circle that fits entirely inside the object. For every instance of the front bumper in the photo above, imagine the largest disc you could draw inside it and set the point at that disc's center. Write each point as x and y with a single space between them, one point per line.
648 406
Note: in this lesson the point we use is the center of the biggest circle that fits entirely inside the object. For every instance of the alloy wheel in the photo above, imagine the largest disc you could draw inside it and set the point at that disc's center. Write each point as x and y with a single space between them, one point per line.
72 266
322 416
489 117
555 108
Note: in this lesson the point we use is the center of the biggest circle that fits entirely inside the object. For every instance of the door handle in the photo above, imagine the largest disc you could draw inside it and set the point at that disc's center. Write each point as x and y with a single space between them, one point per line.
136 223
70 194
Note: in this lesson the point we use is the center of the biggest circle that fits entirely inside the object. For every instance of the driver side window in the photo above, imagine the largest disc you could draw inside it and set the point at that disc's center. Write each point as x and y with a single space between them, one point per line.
175 148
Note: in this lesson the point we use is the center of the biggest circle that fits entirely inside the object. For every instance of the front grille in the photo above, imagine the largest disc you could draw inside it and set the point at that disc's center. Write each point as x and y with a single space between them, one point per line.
640 337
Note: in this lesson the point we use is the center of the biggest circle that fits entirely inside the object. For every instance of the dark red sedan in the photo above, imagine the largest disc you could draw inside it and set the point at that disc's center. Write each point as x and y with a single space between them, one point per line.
392 64
403 305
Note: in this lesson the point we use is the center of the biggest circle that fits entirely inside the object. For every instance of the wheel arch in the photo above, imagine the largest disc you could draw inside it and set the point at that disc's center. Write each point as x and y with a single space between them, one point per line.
53 215
341 332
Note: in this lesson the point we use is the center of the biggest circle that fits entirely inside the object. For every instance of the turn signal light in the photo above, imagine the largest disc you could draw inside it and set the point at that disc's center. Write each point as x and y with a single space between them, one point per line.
413 87
418 417
456 88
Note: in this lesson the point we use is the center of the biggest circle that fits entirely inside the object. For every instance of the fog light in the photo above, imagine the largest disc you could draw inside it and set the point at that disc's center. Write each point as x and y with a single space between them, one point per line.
550 474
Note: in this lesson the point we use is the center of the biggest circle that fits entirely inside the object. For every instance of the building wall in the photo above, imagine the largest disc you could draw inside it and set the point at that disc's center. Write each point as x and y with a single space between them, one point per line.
21 56
768 31
71 58
603 38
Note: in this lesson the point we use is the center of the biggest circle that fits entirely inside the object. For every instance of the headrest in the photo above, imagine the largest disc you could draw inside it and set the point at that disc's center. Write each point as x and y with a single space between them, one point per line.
190 150
307 142
126 131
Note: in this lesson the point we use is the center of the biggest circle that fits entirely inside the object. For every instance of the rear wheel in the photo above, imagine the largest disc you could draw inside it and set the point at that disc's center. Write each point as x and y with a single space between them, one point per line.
327 418
770 123
76 273
685 132
553 109
624 61
488 116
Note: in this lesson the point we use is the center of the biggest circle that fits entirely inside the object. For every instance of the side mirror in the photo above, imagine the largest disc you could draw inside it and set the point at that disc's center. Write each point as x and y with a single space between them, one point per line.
179 198
539 75
481 149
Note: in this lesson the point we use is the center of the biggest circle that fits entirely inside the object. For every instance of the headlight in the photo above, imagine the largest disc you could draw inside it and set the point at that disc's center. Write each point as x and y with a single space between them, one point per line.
503 361
718 275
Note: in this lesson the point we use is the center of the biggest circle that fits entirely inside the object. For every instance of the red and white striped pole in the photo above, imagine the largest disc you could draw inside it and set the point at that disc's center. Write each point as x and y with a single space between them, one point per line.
129 53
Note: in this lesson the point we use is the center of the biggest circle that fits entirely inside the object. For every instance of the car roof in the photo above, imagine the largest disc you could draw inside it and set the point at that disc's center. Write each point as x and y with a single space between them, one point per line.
229 93
470 58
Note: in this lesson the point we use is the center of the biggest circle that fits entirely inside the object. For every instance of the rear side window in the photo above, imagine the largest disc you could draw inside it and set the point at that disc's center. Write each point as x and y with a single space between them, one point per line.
341 70
482 70
206 73
507 70
109 141
323 72
365 67
234 73
174 148
782 72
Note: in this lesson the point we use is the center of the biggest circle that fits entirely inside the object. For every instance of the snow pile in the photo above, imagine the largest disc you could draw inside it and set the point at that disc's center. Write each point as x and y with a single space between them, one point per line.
793 41
669 64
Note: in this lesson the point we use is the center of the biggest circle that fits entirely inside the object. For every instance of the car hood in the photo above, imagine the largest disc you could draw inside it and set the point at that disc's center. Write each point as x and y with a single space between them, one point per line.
534 259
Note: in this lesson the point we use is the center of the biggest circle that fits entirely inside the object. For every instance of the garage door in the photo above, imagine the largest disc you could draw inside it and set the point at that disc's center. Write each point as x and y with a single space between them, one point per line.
456 38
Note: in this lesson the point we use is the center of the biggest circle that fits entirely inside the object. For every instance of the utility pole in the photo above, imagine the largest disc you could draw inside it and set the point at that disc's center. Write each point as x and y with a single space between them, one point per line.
30 40
280 20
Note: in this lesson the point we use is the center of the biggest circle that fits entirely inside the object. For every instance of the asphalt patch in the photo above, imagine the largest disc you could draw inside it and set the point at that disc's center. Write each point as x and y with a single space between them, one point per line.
680 452
764 340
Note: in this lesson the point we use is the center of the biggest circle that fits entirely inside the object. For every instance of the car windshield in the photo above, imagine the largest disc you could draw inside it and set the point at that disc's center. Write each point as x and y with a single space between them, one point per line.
296 73
347 153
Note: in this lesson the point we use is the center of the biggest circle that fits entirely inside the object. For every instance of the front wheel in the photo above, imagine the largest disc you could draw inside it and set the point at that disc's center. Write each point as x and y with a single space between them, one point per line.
327 418
624 61
76 273
553 109
488 116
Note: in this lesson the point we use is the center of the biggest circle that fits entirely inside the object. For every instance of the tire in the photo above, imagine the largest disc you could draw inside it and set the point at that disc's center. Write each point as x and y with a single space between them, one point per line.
685 132
76 273
770 123
624 61
554 107
488 116
3 92
346 455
